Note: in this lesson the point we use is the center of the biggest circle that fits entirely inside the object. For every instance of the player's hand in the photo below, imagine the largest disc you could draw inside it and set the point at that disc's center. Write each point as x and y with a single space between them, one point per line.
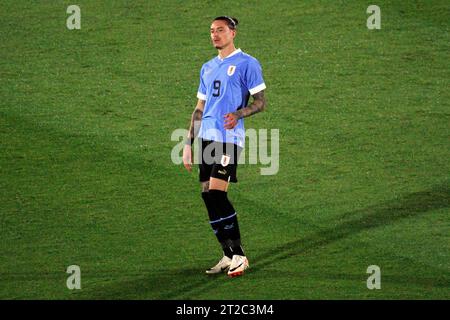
231 121
187 157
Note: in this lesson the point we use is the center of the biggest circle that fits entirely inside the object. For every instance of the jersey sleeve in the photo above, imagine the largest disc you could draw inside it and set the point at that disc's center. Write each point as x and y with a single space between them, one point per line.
254 77
201 92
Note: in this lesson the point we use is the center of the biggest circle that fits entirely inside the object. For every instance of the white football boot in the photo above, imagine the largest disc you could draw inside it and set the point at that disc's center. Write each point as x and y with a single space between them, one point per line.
238 266
222 266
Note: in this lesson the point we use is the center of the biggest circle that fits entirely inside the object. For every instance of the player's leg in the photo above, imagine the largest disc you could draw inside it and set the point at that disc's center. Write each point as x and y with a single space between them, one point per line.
214 217
228 215
217 227
215 220
222 173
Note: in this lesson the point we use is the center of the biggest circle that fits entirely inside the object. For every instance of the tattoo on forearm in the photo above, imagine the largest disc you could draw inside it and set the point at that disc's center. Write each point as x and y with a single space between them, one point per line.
256 106
196 116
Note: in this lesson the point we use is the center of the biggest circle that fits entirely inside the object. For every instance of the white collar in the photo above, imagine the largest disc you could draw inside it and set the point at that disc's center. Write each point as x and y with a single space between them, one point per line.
231 54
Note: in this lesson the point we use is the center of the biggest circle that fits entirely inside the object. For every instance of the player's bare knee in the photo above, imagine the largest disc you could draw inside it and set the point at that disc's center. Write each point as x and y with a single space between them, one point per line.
218 184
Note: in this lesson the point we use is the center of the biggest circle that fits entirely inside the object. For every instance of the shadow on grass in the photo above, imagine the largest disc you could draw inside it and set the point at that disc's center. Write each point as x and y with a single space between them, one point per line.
361 220
159 285
187 283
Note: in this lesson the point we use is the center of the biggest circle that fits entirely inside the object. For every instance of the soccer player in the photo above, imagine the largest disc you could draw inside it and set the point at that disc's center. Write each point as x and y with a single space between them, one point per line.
226 83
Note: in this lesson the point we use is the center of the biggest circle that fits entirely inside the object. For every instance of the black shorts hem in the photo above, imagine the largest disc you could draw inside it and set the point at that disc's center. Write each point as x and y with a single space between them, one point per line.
223 166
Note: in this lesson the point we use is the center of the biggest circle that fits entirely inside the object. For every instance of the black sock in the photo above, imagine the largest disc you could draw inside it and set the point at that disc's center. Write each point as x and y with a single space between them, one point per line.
227 250
214 218
236 247
228 217
238 250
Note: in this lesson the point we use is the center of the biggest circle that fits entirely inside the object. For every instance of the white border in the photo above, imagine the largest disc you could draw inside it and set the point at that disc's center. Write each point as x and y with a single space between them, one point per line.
201 96
257 89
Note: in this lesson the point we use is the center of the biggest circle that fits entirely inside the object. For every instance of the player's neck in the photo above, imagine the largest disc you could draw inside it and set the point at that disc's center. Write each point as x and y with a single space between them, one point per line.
225 52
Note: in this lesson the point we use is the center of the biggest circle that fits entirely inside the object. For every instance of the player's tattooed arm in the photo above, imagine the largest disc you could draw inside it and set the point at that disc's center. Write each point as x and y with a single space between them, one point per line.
258 105
196 118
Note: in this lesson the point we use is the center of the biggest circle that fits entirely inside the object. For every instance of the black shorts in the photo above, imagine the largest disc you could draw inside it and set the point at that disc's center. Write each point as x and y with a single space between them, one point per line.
218 160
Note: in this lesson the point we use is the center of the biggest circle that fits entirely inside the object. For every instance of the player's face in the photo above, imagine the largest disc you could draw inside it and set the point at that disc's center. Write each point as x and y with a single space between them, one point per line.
221 34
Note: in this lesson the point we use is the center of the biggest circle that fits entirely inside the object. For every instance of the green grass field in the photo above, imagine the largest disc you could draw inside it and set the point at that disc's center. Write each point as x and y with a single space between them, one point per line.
86 118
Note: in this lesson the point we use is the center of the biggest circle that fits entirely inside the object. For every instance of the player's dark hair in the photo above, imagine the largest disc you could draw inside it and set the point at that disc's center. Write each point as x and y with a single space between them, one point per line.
232 22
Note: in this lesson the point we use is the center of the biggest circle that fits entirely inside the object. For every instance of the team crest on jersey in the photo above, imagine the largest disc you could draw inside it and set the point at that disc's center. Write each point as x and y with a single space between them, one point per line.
231 70
225 160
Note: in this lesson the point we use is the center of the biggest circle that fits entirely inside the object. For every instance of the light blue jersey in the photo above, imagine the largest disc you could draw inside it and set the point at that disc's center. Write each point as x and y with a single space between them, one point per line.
226 85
